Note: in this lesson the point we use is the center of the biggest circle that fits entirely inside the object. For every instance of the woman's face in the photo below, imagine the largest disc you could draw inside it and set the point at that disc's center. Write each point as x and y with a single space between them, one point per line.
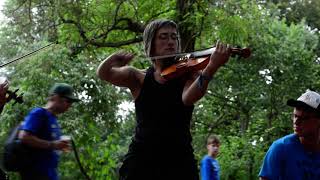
165 41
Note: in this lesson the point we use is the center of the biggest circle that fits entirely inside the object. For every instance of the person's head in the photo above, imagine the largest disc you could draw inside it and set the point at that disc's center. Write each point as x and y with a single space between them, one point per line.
161 37
306 114
213 145
61 97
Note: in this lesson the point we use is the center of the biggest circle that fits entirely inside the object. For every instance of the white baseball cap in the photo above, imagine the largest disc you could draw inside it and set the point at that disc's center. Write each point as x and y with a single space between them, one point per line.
309 99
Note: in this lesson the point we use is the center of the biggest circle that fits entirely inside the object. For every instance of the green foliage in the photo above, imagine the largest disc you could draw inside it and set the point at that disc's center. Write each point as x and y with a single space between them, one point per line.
247 98
240 158
245 103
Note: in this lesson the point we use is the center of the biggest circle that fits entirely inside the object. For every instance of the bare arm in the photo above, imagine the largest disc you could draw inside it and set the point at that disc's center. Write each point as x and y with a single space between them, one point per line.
193 91
114 69
36 142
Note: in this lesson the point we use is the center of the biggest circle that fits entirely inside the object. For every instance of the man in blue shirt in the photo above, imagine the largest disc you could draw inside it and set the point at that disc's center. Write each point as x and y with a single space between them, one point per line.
210 169
297 156
41 131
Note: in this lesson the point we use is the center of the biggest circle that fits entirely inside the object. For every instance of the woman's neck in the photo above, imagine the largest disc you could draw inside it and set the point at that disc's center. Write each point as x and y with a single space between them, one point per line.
157 74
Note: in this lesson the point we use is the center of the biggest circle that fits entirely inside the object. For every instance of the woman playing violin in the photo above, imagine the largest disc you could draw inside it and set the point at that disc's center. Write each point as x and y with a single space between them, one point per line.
161 146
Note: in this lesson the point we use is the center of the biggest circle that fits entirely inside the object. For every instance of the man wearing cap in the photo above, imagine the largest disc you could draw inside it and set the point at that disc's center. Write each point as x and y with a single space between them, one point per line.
41 131
297 156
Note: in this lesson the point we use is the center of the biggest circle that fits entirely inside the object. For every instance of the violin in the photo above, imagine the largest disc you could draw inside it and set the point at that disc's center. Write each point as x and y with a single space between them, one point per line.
192 62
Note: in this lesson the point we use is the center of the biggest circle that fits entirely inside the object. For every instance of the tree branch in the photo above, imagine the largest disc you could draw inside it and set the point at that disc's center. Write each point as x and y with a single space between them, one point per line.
116 44
132 26
79 27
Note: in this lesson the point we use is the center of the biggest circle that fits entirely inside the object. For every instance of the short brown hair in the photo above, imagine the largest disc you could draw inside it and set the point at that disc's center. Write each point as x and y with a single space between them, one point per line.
213 139
150 31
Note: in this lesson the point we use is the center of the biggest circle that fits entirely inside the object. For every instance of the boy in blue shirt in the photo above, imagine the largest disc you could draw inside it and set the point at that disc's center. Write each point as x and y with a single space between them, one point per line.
210 169
41 131
297 156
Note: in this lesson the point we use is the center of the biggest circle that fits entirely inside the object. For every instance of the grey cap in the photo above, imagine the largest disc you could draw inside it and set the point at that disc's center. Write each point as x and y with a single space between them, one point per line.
63 90
309 99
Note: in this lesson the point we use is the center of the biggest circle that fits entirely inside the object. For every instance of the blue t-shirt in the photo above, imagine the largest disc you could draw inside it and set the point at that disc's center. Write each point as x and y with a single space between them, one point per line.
210 169
43 124
287 159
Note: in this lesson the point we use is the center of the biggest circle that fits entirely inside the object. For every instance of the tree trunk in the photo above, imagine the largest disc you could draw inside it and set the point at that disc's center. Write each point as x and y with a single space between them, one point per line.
186 30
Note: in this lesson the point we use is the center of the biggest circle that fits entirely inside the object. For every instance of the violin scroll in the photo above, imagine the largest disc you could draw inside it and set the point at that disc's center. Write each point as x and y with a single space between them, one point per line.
13 95
241 52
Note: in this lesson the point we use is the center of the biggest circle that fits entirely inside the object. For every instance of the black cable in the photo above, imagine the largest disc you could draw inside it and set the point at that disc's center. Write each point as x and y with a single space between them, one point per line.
78 160
26 55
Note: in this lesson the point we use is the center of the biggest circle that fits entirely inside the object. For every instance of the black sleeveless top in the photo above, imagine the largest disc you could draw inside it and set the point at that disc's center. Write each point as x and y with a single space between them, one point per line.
163 121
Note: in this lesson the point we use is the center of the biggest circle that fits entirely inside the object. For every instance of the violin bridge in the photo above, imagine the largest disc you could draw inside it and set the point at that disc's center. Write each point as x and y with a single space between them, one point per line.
185 57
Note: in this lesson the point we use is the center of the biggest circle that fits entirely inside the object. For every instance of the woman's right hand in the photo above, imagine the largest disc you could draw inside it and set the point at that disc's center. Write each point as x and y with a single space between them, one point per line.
122 58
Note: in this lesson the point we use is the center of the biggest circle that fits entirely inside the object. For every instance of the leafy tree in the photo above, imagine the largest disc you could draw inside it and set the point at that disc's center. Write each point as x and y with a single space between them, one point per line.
245 103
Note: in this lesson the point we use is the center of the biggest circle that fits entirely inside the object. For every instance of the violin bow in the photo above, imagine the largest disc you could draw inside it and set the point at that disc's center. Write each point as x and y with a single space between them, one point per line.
245 52
26 55
198 52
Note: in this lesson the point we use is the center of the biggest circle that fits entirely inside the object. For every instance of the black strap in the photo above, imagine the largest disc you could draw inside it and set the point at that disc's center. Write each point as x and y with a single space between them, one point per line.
78 160
13 134
201 79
